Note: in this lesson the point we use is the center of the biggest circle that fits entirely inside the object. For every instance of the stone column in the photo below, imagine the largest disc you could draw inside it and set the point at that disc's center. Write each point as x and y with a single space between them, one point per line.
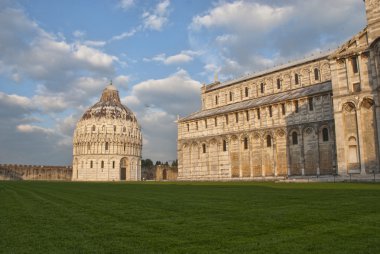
318 152
302 153
274 151
360 143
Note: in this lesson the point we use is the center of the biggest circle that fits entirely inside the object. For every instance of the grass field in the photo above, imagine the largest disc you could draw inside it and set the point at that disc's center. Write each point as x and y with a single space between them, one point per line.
70 217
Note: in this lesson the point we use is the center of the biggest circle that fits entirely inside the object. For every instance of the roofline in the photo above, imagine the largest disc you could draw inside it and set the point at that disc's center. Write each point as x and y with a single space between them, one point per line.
295 63
189 119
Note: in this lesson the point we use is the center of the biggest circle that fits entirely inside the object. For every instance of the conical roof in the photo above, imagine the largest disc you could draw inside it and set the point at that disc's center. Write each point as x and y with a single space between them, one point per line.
109 106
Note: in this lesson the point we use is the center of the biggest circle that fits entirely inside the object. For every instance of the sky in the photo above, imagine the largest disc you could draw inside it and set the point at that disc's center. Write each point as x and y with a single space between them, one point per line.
56 57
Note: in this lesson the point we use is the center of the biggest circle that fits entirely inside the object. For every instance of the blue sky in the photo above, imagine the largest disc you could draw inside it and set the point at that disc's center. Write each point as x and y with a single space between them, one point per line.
57 56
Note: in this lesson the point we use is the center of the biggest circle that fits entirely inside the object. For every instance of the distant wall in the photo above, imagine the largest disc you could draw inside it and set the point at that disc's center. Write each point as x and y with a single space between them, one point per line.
35 172
166 172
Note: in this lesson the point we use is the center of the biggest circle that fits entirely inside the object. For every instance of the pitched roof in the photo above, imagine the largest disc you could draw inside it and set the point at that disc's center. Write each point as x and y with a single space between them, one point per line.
262 101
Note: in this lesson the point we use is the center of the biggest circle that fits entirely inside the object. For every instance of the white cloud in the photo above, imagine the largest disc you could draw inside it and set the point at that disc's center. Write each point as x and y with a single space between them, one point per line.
30 52
121 81
16 100
156 19
157 102
182 57
240 37
123 35
79 34
179 58
95 43
27 128
126 4
51 103
242 15
93 56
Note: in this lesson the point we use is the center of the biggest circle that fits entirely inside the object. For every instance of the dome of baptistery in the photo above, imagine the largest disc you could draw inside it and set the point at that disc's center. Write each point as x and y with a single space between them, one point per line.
107 142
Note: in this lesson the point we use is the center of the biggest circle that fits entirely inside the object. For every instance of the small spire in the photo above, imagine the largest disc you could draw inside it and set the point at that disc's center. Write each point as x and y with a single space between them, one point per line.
216 77
111 82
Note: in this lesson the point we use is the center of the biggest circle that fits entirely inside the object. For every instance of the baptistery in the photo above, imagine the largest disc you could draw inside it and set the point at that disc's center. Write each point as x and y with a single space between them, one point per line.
107 142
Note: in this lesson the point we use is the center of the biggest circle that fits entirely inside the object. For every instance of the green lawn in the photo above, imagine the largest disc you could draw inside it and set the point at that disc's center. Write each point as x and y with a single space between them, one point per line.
70 217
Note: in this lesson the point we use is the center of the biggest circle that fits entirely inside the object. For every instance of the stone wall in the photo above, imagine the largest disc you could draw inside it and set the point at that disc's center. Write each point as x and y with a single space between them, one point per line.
34 172
355 78
166 172
315 116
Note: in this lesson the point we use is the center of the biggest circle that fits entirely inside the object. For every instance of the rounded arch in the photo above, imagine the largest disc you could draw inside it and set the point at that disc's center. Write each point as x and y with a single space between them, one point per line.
324 132
256 136
233 137
243 135
349 106
268 132
294 138
305 71
124 168
212 141
294 129
366 102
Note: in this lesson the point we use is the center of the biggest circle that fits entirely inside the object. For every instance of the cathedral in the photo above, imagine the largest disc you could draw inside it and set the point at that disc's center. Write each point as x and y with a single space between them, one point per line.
315 116
107 142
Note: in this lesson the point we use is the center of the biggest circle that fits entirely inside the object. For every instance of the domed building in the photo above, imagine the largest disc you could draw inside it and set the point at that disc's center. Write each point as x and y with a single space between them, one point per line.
107 142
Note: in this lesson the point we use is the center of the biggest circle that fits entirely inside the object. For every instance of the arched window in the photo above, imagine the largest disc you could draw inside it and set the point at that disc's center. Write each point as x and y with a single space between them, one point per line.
237 117
106 145
113 164
114 128
206 123
246 92
102 164
231 95
296 79
216 121
295 138
325 134
283 108
262 87
354 62
91 164
270 111
296 106
269 141
188 127
316 74
278 83
245 143
224 145
226 119
93 128
216 99
124 147
311 105
258 113
204 148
